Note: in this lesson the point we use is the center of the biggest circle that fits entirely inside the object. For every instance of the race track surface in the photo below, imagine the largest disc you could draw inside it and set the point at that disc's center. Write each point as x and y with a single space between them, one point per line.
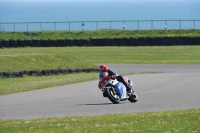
177 87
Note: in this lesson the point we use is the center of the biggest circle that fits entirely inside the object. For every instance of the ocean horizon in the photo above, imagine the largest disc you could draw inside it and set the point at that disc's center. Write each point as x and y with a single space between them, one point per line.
64 11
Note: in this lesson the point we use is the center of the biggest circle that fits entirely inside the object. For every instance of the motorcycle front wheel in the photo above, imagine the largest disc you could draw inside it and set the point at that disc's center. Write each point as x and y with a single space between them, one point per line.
112 95
133 98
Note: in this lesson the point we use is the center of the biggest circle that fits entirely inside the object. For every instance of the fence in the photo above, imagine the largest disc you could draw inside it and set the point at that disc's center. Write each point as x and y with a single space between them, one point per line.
100 25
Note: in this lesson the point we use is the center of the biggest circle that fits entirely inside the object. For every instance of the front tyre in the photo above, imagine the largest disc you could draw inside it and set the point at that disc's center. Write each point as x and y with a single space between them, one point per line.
133 97
112 95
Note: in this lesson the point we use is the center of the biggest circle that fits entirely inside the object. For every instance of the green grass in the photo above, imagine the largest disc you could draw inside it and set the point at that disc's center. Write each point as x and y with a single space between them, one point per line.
16 59
28 83
180 121
94 34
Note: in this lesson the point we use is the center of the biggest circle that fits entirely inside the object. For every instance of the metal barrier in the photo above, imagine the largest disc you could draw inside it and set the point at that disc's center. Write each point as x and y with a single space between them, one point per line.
100 25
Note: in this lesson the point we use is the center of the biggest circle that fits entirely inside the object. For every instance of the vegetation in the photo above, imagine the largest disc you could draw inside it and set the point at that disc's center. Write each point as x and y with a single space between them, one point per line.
12 59
28 83
16 59
96 34
180 121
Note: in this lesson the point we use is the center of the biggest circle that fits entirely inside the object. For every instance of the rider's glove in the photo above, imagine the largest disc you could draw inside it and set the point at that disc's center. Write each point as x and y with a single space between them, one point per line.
113 77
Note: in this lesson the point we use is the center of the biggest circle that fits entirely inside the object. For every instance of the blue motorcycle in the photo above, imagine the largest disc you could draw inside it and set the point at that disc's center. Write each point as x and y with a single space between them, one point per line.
115 90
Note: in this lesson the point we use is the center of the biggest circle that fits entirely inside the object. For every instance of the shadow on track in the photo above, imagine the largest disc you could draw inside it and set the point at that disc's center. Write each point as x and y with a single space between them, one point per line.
100 104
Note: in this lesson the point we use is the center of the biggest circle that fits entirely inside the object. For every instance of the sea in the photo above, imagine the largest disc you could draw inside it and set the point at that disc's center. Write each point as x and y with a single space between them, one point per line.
22 15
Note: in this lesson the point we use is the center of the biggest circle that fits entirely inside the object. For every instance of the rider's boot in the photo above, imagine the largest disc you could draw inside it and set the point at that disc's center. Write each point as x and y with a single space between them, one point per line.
128 87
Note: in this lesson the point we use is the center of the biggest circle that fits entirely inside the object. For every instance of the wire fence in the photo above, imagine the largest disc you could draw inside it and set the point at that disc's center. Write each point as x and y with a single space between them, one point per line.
100 25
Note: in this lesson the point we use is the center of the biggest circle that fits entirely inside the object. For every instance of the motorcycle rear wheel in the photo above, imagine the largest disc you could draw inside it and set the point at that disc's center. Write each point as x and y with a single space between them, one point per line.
112 95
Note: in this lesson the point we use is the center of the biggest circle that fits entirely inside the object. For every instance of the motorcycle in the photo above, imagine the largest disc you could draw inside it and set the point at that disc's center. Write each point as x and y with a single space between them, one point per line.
115 90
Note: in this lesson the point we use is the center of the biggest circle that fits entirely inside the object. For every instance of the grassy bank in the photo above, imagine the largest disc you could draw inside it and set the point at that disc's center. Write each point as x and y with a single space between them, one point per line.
100 34
15 59
180 121
28 83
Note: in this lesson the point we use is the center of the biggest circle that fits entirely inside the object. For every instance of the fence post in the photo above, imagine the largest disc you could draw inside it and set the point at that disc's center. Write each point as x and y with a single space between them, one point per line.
194 25
27 27
83 25
138 25
96 25
54 26
179 24
110 25
69 26
14 26
124 26
152 25
0 28
41 26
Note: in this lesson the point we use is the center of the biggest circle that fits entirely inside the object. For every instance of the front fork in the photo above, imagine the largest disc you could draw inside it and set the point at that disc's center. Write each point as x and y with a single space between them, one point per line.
130 83
112 89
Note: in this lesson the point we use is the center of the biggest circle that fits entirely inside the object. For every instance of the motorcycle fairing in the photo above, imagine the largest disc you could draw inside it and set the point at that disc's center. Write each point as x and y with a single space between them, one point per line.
125 79
121 89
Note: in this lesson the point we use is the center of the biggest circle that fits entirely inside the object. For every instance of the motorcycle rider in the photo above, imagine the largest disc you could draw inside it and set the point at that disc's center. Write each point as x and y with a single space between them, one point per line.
104 68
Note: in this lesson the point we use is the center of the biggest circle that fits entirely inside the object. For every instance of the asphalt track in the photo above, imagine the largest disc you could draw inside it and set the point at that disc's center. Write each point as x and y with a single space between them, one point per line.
176 87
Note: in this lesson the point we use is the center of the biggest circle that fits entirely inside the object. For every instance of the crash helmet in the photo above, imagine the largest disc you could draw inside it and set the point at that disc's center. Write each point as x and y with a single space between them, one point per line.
103 68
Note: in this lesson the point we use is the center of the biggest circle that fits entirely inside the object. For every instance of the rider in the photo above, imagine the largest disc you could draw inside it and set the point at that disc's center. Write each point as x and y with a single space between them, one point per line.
104 68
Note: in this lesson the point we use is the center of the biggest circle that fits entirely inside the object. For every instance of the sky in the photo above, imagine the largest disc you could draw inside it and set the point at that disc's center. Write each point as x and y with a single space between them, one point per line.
111 3
106 5
29 1
108 2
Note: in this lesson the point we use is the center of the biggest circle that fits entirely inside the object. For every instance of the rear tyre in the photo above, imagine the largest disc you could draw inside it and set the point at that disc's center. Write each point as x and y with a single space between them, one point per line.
112 95
133 97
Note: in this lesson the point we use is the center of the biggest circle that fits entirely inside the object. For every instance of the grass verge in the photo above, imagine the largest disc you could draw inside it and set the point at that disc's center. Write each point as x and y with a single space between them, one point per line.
28 83
16 59
94 34
180 121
